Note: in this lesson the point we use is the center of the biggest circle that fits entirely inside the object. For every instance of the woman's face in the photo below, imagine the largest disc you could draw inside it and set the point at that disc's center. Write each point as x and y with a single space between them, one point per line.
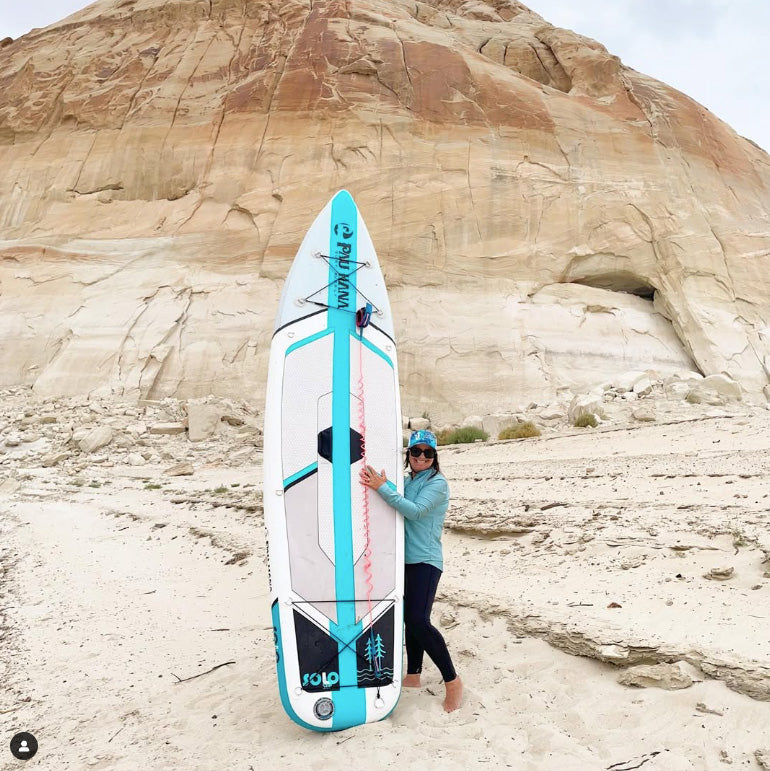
421 462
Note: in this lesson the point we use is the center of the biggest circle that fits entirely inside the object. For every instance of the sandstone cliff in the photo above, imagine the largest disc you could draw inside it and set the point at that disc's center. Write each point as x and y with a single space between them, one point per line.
545 216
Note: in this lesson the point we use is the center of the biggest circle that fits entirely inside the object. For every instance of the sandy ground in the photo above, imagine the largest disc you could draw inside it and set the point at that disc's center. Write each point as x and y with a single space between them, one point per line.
119 584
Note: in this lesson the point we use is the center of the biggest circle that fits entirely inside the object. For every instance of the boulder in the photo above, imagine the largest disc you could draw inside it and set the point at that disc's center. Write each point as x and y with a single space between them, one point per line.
627 381
55 458
715 390
669 677
586 404
168 429
80 433
720 573
644 415
202 420
180 470
643 386
723 385
96 438
9 486
494 424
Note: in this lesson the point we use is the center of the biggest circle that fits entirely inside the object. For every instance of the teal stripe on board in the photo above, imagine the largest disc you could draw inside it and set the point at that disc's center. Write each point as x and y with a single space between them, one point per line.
306 341
376 350
349 700
294 477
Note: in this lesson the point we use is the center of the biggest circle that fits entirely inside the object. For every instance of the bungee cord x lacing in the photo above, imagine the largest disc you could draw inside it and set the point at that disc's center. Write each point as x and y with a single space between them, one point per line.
328 260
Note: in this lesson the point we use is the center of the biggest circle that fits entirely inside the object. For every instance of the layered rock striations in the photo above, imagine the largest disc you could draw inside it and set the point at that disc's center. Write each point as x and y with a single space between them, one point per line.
545 216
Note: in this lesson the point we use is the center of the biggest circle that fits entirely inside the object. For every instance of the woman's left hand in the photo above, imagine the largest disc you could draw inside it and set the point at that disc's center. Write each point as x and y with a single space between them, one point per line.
371 478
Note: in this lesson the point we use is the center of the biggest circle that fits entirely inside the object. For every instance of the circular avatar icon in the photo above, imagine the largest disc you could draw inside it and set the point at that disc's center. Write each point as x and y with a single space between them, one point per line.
24 746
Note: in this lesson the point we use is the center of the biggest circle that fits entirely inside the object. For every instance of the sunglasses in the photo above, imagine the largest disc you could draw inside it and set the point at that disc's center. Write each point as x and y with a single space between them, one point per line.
428 452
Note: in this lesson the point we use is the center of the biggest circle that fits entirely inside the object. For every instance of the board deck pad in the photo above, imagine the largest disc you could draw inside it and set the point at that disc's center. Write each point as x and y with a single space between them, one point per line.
335 547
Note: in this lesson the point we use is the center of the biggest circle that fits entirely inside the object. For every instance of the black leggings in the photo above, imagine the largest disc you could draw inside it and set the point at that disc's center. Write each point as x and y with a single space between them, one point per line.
420 583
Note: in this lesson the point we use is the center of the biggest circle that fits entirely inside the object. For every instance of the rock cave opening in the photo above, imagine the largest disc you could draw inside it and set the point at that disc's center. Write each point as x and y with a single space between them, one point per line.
596 326
627 282
620 281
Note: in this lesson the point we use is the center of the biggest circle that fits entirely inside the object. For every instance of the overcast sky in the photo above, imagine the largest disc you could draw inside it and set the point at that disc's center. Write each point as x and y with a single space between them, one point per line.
716 51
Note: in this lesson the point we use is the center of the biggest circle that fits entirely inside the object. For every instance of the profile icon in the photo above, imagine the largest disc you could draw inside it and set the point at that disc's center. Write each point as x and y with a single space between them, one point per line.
23 746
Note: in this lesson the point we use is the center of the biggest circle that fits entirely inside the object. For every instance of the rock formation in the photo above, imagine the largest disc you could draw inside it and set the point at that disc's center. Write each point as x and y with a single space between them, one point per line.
162 160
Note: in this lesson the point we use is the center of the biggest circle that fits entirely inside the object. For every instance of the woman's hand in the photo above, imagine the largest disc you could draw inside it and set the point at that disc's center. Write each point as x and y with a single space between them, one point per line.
371 478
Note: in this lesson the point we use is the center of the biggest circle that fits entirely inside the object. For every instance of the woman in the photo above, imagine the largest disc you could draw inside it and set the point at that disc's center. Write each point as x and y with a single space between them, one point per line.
423 506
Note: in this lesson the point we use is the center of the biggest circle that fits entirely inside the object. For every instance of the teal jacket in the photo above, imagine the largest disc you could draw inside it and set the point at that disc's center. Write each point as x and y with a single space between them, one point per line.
423 506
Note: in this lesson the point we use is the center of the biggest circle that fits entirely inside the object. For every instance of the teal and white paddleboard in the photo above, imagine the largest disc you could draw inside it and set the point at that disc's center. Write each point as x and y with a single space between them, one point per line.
335 548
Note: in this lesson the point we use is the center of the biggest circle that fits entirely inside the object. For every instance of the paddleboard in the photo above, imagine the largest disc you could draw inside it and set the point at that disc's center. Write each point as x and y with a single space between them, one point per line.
335 547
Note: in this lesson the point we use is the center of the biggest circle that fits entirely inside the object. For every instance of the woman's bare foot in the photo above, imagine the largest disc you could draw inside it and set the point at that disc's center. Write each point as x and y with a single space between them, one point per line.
411 681
454 695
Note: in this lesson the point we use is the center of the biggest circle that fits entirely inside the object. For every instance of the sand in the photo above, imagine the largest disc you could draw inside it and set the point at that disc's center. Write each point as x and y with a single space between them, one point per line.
119 583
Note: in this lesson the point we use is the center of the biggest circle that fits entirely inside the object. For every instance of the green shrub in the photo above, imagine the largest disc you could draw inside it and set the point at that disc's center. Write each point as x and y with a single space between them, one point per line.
462 435
520 431
586 420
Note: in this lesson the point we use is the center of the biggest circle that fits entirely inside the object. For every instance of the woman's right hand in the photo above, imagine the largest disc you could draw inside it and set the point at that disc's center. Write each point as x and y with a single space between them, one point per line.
372 479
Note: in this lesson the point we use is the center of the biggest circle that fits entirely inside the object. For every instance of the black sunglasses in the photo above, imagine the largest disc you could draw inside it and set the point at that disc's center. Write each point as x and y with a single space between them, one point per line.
428 452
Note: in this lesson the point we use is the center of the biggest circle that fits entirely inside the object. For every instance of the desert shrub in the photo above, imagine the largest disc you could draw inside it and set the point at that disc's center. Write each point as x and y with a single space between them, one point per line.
520 431
586 420
462 435
739 539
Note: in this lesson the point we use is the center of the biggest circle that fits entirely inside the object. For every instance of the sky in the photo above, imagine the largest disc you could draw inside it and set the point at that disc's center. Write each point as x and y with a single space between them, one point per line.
716 51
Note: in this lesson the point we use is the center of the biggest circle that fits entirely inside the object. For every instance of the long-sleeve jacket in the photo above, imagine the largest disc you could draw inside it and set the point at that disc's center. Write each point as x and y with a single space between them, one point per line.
423 506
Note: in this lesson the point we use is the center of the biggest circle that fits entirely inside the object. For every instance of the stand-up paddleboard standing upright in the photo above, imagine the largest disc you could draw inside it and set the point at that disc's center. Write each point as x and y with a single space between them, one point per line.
335 547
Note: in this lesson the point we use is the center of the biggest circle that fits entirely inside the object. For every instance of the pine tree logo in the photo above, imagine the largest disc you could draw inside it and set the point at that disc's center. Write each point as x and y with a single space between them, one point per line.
377 668
374 653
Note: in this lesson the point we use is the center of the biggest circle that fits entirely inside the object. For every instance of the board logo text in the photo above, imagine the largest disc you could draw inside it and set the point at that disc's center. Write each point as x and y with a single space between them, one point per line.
325 679
342 253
